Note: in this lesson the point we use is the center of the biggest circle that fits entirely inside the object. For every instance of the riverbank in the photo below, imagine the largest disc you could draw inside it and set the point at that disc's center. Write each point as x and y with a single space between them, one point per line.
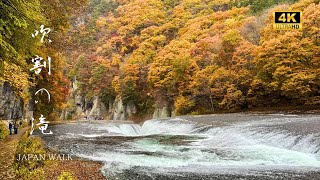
75 168
23 144
78 168
287 109
256 110
7 154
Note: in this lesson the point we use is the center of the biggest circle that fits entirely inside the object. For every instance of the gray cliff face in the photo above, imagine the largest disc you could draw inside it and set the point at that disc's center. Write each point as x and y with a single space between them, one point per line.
94 109
98 110
113 110
76 103
123 111
118 110
163 112
11 106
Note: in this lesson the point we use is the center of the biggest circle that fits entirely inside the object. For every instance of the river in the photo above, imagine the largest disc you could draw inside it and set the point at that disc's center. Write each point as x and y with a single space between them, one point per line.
224 146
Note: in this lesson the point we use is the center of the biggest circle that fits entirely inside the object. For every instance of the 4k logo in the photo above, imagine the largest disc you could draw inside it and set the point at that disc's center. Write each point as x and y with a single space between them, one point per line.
287 20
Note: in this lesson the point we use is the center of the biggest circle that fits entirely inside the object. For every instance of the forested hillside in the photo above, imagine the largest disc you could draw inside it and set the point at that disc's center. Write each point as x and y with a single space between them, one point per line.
19 19
189 56
143 64
196 56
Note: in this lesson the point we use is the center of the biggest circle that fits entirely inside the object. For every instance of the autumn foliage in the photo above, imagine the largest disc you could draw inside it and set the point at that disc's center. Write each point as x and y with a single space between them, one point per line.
199 55
19 19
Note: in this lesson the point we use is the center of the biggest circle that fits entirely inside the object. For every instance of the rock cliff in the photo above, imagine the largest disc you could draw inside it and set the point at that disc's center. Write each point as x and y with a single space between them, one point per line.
79 106
11 106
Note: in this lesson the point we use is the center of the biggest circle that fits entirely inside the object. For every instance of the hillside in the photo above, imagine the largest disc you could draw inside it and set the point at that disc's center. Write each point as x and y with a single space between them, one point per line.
192 56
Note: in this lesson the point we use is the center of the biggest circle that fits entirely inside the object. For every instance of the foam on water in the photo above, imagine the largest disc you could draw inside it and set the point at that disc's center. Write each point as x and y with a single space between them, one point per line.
152 127
176 144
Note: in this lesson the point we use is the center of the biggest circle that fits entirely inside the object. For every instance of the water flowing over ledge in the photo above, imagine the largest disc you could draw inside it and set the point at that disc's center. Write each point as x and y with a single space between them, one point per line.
261 144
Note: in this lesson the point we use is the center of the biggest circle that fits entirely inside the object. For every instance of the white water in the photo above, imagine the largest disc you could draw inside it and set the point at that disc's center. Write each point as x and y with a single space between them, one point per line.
153 127
179 145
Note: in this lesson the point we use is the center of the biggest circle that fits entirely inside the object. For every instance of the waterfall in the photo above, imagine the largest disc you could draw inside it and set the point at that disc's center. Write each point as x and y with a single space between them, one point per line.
178 145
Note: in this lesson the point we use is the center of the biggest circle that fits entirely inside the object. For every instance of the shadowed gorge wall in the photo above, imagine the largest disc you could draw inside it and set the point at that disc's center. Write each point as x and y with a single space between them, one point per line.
11 106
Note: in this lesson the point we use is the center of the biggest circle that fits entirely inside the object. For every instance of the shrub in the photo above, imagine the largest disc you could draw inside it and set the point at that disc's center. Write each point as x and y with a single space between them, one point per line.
233 99
183 105
29 168
65 176
4 132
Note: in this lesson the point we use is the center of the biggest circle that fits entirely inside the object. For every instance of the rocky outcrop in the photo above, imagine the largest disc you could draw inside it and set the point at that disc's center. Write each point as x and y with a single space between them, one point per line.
123 111
75 103
98 110
94 108
118 110
29 110
131 109
11 106
163 112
